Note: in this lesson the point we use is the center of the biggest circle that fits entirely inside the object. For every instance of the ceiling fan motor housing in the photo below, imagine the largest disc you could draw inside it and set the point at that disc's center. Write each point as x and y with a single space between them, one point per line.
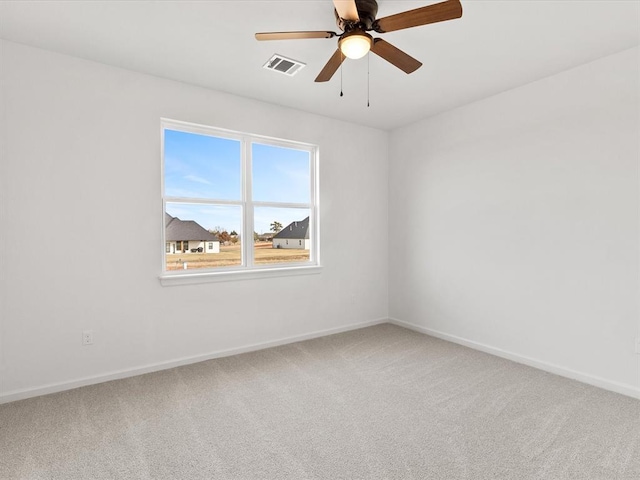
367 11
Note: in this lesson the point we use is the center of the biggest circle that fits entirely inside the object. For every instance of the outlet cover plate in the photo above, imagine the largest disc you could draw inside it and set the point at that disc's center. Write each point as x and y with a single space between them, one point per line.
87 337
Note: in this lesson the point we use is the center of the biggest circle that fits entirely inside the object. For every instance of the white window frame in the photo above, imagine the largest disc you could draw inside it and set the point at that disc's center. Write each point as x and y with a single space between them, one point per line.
247 269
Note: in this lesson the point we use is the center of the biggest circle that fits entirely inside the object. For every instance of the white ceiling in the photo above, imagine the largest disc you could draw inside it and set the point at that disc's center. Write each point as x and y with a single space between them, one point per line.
495 46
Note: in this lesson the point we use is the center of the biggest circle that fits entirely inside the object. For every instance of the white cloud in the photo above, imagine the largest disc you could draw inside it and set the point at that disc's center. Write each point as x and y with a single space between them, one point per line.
195 178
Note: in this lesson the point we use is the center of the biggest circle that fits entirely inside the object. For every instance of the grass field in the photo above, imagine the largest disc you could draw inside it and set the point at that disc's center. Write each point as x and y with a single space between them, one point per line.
230 255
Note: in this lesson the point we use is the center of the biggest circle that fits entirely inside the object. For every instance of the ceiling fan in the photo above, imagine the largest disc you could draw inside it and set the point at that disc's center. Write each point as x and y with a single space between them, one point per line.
357 17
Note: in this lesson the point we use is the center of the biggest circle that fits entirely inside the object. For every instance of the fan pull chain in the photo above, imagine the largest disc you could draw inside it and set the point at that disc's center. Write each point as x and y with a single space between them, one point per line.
341 58
368 56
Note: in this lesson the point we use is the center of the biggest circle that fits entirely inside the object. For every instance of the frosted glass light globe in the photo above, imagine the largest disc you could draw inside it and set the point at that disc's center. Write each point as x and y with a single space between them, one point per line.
355 46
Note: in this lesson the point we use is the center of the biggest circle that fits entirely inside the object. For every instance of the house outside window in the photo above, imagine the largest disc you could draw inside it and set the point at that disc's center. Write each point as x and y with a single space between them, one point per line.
232 192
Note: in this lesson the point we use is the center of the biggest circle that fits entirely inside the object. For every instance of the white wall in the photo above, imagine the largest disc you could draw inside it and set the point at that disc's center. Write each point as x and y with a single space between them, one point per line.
215 247
293 243
197 244
514 223
80 165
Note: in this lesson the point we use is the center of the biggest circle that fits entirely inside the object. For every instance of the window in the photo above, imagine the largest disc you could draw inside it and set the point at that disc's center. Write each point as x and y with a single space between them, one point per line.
243 196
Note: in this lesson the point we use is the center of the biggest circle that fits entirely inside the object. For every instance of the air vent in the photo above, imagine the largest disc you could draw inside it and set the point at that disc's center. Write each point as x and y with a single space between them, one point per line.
285 65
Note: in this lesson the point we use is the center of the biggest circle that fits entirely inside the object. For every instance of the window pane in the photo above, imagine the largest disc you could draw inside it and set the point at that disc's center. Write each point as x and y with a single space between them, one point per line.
283 235
202 236
280 174
201 166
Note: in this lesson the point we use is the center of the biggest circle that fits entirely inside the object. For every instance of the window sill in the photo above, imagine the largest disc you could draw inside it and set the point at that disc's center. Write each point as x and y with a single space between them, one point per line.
169 280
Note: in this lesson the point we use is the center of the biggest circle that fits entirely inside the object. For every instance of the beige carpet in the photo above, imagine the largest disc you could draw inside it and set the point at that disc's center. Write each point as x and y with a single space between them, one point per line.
381 402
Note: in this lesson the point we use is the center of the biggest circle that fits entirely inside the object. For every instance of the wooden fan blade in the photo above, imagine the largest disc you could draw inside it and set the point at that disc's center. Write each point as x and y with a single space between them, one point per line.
293 35
330 68
347 9
420 16
394 55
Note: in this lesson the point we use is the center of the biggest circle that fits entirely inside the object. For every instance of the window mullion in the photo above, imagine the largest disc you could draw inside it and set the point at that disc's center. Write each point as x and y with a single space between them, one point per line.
203 201
281 204
247 209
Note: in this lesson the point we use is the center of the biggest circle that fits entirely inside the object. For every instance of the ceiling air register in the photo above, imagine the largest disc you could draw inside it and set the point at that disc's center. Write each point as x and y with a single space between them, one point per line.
282 64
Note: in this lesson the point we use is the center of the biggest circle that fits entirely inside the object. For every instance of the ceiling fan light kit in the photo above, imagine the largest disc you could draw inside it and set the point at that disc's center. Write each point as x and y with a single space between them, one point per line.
356 17
355 44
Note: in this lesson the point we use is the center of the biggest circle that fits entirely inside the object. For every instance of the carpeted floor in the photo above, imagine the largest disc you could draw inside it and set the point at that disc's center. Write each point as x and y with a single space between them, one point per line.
381 402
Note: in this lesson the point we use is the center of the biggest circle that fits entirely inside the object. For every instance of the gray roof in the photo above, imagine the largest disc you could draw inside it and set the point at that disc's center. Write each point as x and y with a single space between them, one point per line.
296 230
176 229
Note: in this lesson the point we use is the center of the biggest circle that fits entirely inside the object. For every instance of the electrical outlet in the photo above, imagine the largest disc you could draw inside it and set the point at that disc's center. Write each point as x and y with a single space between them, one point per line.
87 337
638 345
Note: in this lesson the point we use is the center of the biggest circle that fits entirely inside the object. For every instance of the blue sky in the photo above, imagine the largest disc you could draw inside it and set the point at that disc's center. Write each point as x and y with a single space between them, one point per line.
205 167
280 174
200 166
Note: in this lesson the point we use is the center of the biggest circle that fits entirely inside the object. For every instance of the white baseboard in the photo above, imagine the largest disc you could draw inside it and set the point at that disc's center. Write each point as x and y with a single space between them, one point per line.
12 396
594 380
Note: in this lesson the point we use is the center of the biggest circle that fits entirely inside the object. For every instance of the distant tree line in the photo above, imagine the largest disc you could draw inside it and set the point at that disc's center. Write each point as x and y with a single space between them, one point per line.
224 236
232 237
